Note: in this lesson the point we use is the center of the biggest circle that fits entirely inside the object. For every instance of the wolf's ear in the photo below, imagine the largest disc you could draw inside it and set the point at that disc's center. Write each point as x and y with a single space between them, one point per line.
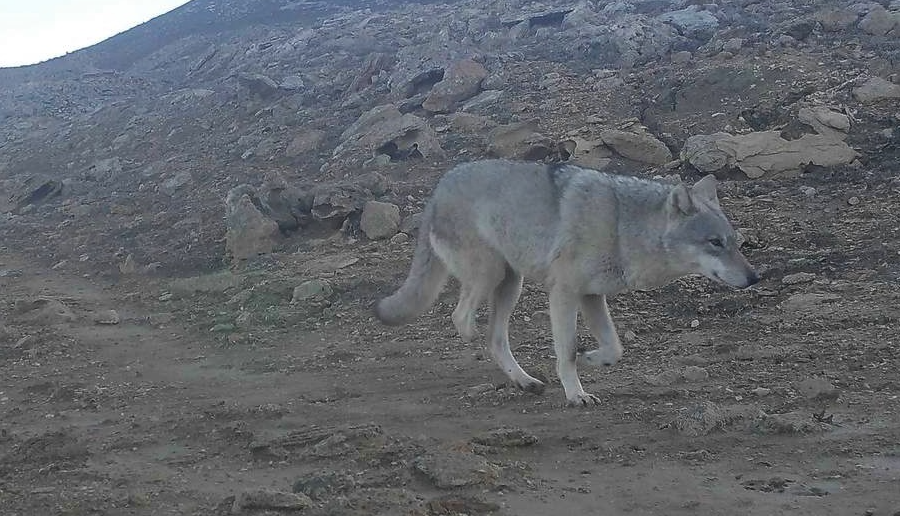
704 190
680 202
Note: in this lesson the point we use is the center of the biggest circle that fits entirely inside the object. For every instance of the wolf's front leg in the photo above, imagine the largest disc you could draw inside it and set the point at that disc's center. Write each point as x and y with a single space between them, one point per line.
597 318
563 319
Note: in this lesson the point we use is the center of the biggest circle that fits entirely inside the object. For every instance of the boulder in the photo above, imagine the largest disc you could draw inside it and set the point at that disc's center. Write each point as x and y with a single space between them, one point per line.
879 21
462 80
380 220
825 121
640 147
385 130
876 89
249 233
521 140
764 154
692 22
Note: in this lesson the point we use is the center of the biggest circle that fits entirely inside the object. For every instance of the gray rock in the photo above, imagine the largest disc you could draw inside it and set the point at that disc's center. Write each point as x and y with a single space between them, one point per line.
588 153
692 22
522 140
312 289
175 183
380 220
876 89
462 80
809 302
386 130
764 154
307 141
707 417
825 121
836 20
107 317
733 45
452 469
879 21
817 389
249 233
292 83
798 278
506 438
264 499
43 310
259 85
411 223
681 57
640 147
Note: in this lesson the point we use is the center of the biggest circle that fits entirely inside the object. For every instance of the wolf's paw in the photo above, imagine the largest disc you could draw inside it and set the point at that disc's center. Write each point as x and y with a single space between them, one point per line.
583 400
532 385
465 326
607 356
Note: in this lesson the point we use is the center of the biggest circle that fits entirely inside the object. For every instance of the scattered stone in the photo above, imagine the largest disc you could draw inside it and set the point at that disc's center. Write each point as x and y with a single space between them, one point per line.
214 283
249 233
691 373
707 417
107 317
681 57
380 220
43 310
733 45
400 238
876 89
128 266
312 289
817 389
790 423
588 153
258 84
304 143
506 438
762 391
808 301
764 154
836 20
175 183
879 21
522 140
452 469
639 147
695 374
798 278
629 336
452 505
477 390
695 323
319 487
692 22
853 200
264 499
385 130
808 191
825 121
462 80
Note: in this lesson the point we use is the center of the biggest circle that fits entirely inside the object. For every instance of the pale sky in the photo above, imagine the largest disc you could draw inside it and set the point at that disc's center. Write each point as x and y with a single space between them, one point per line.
36 30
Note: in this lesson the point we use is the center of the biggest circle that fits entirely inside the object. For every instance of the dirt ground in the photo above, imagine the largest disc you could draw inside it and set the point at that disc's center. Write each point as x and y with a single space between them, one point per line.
781 399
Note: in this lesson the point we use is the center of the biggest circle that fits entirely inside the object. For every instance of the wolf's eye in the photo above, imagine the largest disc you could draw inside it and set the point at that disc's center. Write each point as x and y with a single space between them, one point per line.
715 242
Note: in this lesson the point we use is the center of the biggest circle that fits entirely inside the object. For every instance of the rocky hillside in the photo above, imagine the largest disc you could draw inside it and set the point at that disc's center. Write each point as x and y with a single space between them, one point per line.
305 111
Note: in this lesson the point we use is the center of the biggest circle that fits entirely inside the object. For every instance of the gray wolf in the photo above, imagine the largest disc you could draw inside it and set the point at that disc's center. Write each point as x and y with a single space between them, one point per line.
583 234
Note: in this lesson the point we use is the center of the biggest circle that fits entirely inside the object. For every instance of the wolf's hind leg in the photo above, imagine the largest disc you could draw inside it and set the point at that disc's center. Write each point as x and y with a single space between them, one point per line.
503 300
470 297
597 318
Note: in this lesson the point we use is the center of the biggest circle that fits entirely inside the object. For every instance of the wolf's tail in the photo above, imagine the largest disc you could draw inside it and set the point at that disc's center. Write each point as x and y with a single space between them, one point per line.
427 277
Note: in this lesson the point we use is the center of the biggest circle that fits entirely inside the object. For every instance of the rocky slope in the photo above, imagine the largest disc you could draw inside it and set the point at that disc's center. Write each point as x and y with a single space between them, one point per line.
130 146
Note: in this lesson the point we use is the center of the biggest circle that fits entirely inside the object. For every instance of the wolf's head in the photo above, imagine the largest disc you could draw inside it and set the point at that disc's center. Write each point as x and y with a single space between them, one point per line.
700 238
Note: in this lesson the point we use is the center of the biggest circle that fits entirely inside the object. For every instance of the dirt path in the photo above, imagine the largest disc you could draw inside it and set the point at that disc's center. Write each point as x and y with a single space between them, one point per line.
156 415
